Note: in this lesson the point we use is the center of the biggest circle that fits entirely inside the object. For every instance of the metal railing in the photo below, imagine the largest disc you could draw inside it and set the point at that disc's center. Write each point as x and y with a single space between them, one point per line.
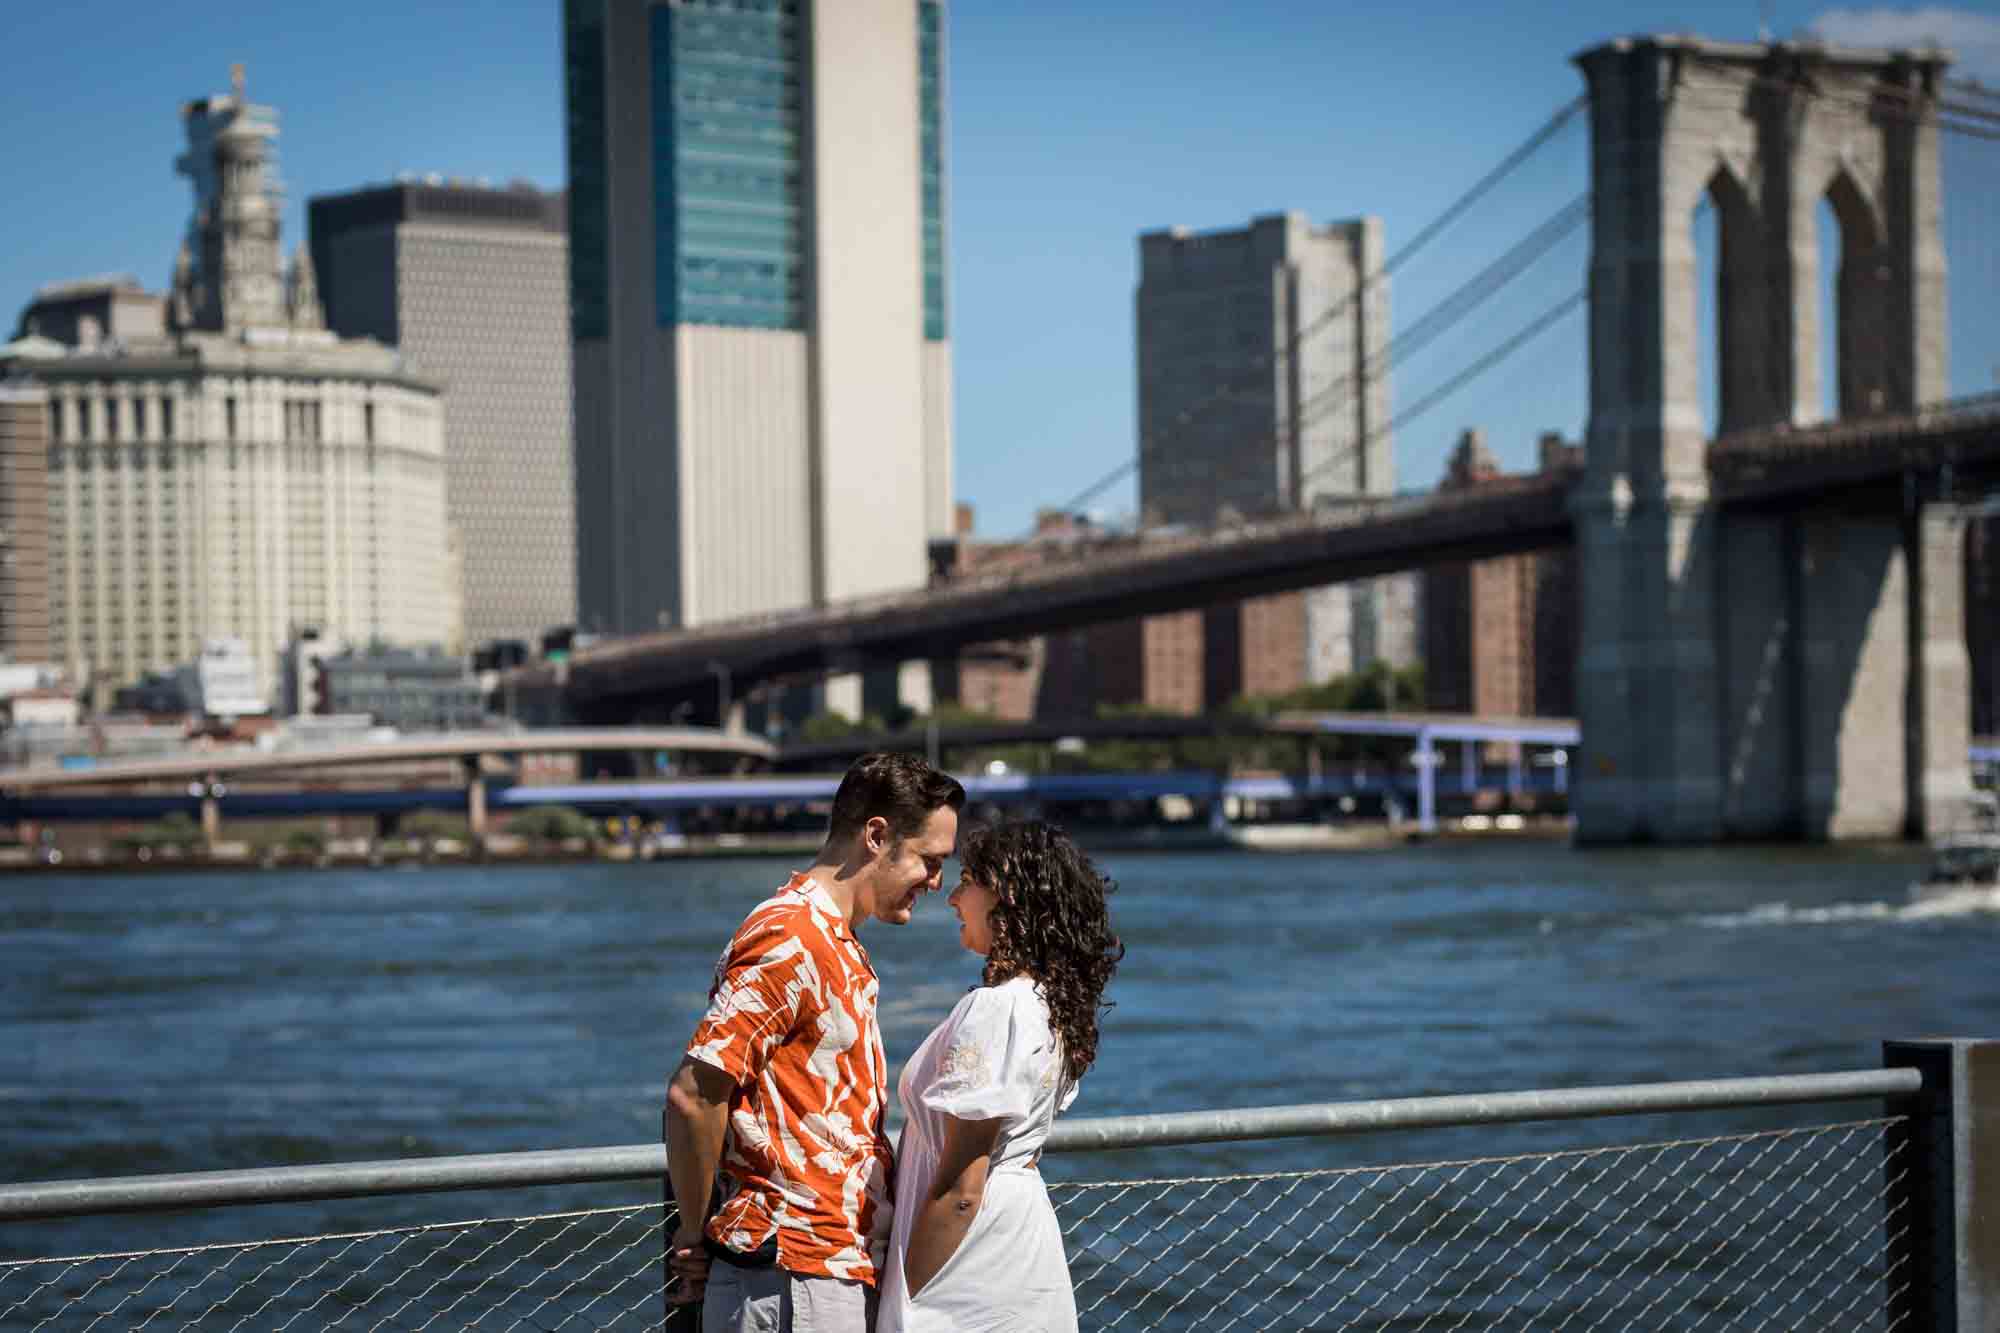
1864 1222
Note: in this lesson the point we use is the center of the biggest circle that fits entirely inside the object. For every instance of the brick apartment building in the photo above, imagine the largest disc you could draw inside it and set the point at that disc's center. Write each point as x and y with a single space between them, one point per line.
1499 635
1187 662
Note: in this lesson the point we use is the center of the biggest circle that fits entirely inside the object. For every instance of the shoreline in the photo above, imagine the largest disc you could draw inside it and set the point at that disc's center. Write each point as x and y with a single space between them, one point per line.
1255 838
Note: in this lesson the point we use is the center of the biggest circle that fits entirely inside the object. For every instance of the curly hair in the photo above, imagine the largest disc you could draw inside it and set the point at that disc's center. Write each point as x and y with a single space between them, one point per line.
1049 921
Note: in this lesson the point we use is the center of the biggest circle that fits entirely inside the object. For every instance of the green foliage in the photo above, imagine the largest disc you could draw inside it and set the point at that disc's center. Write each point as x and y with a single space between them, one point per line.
552 824
1377 689
305 842
833 727
175 830
431 825
949 714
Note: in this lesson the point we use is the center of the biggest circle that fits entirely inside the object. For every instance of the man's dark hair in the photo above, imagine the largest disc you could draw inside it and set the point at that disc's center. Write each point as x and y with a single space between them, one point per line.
901 788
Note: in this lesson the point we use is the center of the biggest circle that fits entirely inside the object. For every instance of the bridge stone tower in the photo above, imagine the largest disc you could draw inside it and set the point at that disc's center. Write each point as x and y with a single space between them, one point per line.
1759 674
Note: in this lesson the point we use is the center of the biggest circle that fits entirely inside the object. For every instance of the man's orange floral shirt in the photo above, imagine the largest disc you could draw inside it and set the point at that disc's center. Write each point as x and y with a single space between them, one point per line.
791 1018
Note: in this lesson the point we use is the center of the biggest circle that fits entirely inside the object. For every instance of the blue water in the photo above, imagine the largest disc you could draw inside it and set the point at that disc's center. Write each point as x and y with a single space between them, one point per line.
181 1022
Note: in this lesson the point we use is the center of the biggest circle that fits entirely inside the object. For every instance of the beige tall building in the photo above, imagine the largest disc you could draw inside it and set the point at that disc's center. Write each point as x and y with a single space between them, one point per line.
762 369
472 284
220 465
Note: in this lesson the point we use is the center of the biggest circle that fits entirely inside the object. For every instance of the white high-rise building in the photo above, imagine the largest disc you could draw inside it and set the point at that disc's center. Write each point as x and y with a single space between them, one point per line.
762 372
222 467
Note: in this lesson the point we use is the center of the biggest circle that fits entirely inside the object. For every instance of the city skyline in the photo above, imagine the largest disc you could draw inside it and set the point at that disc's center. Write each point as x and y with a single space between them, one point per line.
1052 179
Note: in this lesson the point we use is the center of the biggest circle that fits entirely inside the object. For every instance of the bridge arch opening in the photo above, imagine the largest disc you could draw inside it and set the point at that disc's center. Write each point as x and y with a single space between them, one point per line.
1707 291
1732 309
1851 282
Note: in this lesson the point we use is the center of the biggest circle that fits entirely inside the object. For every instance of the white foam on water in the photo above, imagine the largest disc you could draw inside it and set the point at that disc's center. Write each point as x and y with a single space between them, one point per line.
1934 905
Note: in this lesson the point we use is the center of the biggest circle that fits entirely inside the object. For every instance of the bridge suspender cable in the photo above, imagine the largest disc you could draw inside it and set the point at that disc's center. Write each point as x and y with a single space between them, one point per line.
1453 309
1430 232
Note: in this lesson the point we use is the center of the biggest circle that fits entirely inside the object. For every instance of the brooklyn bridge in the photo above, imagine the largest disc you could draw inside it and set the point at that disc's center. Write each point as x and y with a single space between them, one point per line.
1770 612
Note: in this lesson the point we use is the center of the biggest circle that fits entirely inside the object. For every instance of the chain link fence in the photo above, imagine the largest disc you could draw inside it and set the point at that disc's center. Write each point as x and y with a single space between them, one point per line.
1784 1229
590 1269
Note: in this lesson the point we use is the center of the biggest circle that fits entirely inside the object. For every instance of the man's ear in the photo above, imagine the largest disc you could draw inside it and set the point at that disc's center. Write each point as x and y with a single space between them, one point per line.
875 836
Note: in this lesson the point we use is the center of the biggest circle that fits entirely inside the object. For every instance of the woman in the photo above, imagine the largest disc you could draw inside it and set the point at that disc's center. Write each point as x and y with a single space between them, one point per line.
976 1245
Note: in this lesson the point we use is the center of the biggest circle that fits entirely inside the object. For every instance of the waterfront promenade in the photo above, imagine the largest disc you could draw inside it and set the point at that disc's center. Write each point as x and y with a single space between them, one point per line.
177 1023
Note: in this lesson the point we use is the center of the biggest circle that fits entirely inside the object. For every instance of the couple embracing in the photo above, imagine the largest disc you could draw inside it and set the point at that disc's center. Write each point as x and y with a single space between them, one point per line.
775 1118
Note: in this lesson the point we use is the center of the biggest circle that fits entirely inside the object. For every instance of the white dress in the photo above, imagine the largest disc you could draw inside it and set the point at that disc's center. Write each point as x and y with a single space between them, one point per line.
996 1057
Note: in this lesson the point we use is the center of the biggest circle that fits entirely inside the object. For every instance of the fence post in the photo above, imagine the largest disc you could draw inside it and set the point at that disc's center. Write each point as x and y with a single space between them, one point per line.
1947 1180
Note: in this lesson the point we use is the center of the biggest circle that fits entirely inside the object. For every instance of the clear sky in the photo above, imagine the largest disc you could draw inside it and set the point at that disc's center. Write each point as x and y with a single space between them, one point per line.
1075 125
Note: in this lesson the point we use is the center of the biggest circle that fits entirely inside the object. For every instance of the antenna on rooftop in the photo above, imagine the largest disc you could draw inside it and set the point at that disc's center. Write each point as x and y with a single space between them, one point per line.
1764 21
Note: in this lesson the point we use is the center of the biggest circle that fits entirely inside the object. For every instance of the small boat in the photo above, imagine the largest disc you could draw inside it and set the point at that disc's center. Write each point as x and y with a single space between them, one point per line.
1967 856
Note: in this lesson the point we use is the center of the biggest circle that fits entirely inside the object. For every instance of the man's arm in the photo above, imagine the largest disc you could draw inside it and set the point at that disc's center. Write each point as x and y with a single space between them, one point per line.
697 1120
947 1211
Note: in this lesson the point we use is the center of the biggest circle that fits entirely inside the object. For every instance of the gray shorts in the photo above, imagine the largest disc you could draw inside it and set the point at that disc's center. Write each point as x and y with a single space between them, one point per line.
770 1300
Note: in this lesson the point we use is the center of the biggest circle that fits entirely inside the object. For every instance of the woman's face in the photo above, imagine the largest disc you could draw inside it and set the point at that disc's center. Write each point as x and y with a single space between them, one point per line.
973 902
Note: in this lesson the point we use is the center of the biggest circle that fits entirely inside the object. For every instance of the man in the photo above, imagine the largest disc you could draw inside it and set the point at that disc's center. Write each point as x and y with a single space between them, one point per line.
784 1086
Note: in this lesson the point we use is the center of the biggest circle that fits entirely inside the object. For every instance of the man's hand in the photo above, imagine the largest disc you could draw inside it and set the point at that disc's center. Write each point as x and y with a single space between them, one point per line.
696 1120
689 1262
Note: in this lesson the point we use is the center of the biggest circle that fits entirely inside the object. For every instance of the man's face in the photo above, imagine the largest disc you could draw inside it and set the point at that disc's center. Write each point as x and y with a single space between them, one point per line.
905 871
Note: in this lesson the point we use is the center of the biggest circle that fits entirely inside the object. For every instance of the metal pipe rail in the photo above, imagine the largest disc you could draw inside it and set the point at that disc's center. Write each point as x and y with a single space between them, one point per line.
648 1161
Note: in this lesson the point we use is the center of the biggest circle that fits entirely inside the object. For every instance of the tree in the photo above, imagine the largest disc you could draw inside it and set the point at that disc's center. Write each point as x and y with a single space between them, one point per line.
430 825
551 824
305 842
177 829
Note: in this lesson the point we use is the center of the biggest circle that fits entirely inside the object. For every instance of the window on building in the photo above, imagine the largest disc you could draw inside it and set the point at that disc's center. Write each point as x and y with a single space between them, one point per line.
166 418
55 418
368 423
589 178
728 129
930 119
229 424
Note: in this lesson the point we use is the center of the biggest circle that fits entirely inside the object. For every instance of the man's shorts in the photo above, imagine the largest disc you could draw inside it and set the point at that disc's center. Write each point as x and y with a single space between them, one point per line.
770 1300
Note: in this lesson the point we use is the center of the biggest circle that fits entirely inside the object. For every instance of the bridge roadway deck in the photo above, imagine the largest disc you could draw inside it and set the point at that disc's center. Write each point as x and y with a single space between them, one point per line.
1107 581
1956 444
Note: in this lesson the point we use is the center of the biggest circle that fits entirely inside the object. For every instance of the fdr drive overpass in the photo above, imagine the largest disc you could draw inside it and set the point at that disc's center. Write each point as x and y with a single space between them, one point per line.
210 782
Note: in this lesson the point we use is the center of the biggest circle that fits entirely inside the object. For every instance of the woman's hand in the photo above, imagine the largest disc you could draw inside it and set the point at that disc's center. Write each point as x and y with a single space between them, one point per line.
946 1213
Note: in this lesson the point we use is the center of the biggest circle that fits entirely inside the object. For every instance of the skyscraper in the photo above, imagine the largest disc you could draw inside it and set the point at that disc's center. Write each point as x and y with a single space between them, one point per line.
471 283
762 368
220 465
1263 388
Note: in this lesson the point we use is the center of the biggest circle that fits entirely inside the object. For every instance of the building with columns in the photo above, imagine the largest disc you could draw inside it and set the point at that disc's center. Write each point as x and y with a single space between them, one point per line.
762 363
221 466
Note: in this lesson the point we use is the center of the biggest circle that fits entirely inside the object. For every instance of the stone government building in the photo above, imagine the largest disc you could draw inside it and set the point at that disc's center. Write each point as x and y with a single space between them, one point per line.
220 465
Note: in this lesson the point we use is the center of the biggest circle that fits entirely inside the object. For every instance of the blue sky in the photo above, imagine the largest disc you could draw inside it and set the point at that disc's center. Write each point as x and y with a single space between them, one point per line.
1074 127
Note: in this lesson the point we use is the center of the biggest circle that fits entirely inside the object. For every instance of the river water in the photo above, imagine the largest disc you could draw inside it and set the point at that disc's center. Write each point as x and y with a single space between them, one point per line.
180 1022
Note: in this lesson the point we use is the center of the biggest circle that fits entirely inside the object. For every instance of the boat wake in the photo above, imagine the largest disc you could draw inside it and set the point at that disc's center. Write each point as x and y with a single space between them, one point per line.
1925 904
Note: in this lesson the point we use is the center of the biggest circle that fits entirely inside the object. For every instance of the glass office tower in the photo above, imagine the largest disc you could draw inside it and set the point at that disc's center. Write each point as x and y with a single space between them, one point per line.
757 272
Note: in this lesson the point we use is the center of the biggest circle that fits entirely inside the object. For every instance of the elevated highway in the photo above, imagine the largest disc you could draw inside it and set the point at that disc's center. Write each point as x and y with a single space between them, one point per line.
223 765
